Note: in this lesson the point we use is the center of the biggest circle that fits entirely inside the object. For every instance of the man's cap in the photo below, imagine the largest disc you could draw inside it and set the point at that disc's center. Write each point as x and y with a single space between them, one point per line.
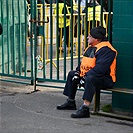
98 32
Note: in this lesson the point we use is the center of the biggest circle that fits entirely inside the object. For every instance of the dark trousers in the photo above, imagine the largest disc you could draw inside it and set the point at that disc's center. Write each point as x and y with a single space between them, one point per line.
92 84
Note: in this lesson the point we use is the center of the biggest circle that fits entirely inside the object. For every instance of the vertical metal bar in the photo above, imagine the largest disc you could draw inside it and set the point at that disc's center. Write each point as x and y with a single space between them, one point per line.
109 20
94 22
3 57
79 29
43 41
71 34
97 101
101 13
65 40
26 37
13 42
35 43
31 42
8 35
51 39
86 22
57 36
19 40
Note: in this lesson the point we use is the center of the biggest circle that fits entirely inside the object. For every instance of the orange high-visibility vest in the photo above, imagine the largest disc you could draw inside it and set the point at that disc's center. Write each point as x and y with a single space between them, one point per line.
88 63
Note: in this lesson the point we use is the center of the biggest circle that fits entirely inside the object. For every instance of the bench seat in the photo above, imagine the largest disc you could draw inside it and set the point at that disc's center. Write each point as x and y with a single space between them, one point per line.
96 109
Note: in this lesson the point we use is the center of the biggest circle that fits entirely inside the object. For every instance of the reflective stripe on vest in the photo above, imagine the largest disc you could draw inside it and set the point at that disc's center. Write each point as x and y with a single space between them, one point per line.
97 14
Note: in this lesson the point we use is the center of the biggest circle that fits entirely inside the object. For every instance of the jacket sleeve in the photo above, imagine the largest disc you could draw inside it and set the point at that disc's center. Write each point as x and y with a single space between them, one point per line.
104 59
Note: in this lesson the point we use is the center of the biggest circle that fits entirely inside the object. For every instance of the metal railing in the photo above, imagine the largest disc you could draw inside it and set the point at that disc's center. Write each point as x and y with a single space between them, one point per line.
54 37
41 56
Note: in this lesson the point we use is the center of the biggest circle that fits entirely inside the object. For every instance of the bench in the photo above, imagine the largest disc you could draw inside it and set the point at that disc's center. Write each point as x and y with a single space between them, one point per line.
96 109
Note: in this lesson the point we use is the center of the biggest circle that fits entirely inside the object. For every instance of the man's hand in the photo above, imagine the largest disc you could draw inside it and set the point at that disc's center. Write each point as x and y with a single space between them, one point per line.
82 82
76 77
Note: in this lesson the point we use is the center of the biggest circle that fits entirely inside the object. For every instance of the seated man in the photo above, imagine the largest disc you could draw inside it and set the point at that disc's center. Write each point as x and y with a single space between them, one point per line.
96 71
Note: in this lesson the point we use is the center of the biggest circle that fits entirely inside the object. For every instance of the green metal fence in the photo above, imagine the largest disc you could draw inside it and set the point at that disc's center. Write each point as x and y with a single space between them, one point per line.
14 60
56 64
38 57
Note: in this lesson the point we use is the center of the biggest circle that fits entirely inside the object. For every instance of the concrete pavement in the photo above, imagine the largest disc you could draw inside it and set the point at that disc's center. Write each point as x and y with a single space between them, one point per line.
25 112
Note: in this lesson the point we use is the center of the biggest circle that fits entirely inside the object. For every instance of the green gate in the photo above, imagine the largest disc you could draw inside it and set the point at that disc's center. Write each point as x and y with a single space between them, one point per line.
32 50
53 58
15 54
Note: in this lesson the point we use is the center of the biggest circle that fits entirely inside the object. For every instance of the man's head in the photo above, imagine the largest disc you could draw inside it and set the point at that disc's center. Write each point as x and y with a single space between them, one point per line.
97 34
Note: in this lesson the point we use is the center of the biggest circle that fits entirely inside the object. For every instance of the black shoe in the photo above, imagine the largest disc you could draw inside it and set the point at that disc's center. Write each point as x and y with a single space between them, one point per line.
68 105
83 112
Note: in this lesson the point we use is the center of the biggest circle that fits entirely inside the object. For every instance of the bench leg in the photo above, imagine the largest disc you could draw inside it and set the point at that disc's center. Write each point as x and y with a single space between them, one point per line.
97 101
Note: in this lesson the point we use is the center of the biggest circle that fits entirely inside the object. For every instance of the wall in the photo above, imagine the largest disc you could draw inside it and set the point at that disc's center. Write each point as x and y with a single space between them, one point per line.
123 42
